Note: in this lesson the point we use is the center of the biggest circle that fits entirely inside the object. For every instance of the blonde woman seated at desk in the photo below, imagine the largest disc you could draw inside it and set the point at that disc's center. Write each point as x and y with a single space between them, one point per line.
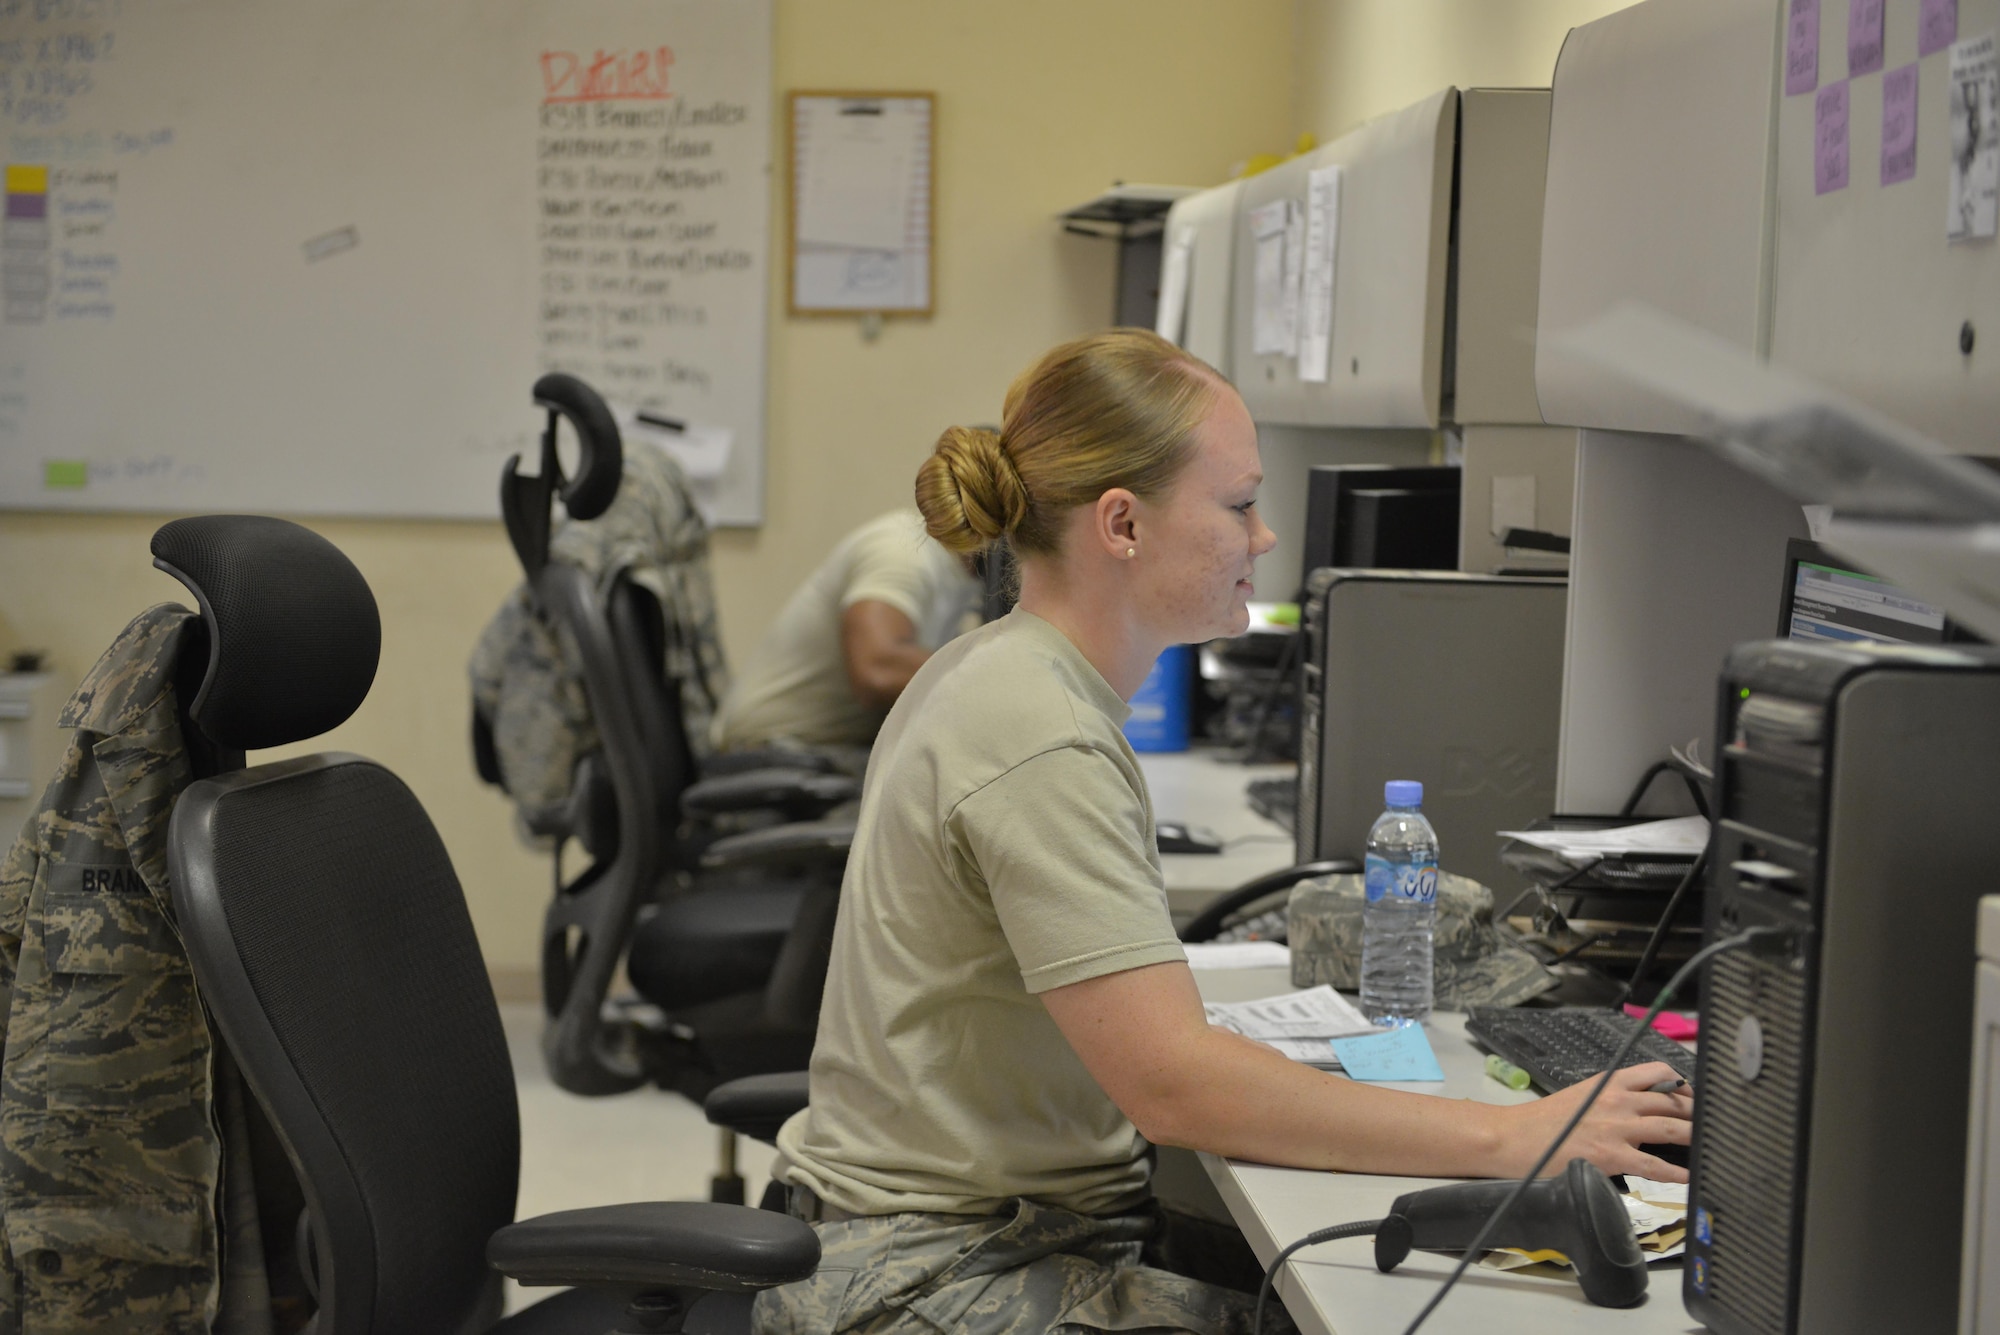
848 641
1009 1019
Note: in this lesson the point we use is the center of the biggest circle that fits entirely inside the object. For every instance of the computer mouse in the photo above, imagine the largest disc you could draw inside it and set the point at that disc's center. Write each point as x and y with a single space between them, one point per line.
1174 837
1677 1155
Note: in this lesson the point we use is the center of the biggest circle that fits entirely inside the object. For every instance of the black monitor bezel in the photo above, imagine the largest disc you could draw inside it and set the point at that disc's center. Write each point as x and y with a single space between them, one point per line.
1798 550
1349 477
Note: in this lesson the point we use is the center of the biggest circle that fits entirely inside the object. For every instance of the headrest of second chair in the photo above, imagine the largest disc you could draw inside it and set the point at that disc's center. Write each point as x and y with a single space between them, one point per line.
294 635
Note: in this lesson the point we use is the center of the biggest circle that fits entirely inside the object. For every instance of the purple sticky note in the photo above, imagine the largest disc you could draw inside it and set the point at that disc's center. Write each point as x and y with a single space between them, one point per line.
1899 124
1864 37
1801 47
1937 25
1830 138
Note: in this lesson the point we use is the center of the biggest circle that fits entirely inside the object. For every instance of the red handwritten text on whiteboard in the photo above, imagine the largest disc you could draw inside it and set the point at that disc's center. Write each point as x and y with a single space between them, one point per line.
607 76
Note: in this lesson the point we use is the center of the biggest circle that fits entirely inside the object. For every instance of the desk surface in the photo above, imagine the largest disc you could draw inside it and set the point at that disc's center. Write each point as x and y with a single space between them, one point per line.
1334 1289
1201 788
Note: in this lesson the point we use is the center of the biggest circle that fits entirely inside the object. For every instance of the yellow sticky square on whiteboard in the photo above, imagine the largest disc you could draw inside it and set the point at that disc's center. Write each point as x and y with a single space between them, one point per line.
26 179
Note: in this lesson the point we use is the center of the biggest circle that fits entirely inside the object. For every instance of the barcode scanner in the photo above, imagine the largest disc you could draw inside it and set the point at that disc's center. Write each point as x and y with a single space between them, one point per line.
1578 1213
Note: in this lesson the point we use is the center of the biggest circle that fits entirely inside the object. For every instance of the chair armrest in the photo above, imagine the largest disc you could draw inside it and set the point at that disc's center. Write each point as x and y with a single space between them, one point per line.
800 792
757 1105
805 844
657 1244
767 757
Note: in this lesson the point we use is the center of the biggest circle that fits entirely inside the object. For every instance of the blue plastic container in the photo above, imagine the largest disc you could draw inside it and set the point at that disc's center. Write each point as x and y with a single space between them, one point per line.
1160 710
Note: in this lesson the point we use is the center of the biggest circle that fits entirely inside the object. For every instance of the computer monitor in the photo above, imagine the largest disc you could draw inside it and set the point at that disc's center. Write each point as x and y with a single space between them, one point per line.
1380 517
1826 597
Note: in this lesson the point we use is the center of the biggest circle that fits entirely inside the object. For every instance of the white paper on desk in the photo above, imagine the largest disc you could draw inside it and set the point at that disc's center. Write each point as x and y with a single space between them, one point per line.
1267 308
1175 270
858 172
1322 245
1657 1193
1683 835
1314 1052
1238 955
1317 1012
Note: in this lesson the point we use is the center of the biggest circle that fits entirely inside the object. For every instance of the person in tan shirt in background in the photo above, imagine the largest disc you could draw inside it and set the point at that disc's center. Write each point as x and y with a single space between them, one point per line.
1009 1021
849 640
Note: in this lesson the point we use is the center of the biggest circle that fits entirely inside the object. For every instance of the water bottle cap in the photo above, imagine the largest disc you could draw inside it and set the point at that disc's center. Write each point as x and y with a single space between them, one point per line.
1403 793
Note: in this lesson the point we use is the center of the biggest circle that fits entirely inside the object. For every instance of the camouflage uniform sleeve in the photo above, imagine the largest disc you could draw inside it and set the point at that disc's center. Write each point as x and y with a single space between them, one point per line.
17 878
17 883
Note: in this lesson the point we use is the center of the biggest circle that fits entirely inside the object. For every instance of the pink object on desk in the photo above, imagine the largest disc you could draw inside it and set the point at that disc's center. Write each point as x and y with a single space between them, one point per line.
1680 1026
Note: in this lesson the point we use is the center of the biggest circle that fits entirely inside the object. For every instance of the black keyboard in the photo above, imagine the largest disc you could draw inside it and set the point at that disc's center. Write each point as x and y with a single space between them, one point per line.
1275 799
1559 1047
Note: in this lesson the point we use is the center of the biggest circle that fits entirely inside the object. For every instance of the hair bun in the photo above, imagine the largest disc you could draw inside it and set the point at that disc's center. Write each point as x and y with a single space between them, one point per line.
969 490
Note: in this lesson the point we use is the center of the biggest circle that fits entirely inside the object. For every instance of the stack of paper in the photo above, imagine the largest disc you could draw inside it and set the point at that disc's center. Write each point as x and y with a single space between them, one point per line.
1298 1024
1683 836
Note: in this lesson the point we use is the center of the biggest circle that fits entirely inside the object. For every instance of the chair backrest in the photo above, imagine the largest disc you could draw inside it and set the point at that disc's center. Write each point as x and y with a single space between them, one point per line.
331 942
587 926
625 804
638 638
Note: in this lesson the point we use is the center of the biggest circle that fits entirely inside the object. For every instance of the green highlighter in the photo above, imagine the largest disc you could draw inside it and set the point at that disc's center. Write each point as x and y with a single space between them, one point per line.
1506 1072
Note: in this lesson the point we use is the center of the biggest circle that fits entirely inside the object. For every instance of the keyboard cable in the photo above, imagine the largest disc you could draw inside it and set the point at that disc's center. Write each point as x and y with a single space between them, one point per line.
1472 1253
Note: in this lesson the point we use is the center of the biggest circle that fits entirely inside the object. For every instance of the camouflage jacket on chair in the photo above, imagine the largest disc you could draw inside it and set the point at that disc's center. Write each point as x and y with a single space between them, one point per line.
525 682
111 1153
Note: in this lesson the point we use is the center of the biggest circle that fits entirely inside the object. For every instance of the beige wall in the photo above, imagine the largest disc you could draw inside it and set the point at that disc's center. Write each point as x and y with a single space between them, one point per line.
1041 104
1356 59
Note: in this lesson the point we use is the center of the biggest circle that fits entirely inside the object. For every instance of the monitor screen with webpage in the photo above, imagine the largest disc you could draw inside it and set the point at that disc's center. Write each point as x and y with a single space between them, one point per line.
1827 598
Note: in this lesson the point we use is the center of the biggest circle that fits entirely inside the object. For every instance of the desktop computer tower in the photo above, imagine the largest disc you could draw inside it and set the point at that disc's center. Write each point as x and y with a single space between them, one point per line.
1856 792
1451 679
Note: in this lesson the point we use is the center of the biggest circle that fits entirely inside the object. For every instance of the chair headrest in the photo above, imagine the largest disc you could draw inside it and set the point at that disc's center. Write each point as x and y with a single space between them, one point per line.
294 635
525 499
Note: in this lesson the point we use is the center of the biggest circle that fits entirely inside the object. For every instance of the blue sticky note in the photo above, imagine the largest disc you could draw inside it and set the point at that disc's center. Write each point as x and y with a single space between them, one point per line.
1403 1053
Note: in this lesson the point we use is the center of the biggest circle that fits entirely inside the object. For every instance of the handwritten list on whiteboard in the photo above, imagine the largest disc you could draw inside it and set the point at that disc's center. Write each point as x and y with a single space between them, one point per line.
637 263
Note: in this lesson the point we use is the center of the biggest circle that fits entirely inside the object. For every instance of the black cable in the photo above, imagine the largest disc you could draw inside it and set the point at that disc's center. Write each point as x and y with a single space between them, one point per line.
1280 679
1681 975
1361 1229
1548 891
1574 950
1659 937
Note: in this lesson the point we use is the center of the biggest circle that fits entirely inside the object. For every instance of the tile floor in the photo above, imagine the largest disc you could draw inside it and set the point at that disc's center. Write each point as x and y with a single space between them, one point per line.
647 1145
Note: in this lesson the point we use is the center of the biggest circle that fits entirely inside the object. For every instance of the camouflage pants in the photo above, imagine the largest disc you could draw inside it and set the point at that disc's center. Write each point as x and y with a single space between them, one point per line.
1037 1269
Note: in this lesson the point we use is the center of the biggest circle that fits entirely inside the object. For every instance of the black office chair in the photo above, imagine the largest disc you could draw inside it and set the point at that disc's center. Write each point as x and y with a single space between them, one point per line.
331 944
1251 897
725 936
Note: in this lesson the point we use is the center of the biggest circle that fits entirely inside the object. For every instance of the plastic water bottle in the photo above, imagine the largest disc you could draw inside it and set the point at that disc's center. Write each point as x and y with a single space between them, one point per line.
1401 878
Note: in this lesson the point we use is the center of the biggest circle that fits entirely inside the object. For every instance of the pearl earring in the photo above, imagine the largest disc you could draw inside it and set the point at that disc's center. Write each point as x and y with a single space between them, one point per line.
1131 552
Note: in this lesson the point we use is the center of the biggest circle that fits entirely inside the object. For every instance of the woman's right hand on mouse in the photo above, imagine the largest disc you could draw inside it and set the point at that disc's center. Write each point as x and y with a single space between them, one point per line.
1628 1114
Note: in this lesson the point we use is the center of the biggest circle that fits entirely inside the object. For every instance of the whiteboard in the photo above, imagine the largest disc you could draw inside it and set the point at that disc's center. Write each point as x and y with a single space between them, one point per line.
310 258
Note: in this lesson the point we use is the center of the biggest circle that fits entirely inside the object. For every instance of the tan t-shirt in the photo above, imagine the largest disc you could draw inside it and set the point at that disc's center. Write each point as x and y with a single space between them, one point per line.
794 686
1005 847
